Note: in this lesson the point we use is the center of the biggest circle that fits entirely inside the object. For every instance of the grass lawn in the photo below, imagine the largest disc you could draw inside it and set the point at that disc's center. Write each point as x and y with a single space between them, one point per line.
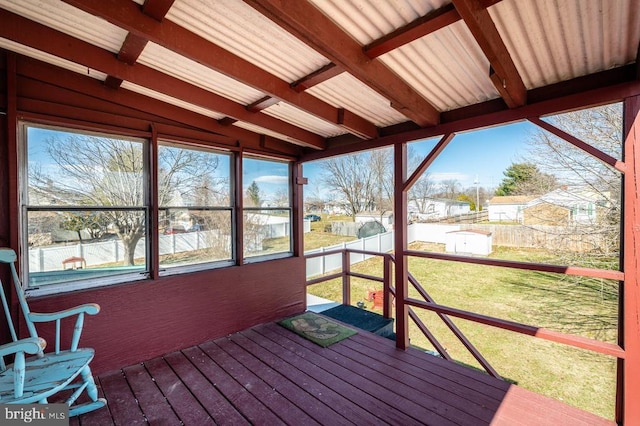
568 304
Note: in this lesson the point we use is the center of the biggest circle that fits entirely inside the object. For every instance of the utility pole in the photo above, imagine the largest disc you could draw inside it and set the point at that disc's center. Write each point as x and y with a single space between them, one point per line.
477 200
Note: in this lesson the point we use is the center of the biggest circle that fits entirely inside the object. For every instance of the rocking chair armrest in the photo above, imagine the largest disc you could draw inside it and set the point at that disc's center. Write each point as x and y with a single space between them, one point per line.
30 345
89 309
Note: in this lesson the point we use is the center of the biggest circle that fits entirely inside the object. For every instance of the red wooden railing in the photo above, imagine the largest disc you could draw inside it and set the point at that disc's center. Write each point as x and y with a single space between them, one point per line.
445 312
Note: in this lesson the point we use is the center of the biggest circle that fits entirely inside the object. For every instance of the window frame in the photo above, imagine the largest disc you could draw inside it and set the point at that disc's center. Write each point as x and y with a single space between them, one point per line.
25 207
231 208
241 214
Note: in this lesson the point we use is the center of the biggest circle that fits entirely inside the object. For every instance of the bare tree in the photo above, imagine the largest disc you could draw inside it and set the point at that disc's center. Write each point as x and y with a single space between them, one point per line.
449 188
422 191
601 127
106 172
352 178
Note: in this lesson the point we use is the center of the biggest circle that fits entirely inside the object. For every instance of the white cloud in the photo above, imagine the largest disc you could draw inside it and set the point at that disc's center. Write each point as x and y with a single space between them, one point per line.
441 176
272 179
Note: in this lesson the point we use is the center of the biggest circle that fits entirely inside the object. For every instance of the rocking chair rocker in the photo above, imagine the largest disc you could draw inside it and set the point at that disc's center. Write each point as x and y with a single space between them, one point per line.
36 378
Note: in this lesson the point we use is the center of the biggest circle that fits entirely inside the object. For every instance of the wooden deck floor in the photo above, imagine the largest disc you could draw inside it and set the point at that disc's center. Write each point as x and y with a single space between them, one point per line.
268 375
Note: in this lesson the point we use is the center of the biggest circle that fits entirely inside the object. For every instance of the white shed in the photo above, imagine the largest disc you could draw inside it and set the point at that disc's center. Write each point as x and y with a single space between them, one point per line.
469 241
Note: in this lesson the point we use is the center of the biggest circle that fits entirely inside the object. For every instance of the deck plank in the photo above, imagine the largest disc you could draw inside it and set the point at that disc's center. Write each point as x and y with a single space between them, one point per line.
183 402
218 407
153 404
121 401
268 375
388 406
247 404
271 398
287 388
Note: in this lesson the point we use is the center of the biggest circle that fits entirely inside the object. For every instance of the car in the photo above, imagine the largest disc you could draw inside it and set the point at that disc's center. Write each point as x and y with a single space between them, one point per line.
312 217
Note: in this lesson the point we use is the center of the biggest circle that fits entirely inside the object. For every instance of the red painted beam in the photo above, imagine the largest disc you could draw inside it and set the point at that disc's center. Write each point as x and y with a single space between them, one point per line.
311 26
84 86
126 14
419 28
29 33
631 262
506 77
157 9
601 88
425 25
542 333
323 74
541 267
602 156
440 146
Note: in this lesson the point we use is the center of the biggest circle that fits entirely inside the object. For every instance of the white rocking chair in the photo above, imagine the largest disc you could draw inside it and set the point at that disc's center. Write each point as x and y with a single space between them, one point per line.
36 378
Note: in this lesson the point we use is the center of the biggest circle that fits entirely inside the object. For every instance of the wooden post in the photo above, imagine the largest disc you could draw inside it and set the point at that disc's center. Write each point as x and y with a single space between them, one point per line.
386 284
400 244
153 221
346 277
628 411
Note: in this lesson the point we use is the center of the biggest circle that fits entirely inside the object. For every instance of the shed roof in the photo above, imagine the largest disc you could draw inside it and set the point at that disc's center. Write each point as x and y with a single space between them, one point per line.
320 73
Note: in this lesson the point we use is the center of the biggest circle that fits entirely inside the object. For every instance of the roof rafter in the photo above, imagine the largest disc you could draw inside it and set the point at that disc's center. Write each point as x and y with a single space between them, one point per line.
305 21
503 72
424 25
134 45
127 15
32 34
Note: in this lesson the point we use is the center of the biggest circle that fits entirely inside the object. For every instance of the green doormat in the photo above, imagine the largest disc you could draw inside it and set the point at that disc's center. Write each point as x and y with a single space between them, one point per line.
318 329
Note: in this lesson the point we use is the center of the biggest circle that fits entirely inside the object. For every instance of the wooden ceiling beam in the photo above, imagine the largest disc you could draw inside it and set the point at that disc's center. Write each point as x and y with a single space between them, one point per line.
419 28
586 91
323 74
503 73
29 33
424 25
127 15
310 25
134 45
157 9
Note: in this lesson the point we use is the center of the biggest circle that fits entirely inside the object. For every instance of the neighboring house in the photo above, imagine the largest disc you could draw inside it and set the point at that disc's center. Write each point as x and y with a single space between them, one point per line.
507 208
438 208
564 206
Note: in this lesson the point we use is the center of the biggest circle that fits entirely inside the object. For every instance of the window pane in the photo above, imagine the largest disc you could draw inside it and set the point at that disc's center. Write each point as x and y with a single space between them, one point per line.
67 246
66 168
188 177
194 236
196 185
267 232
266 183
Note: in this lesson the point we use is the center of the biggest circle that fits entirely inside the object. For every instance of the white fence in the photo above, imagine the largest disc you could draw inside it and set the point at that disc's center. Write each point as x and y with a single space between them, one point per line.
42 259
381 243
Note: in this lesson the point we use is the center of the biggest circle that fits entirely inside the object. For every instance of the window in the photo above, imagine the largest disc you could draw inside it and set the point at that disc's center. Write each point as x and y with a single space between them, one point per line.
85 208
267 215
195 217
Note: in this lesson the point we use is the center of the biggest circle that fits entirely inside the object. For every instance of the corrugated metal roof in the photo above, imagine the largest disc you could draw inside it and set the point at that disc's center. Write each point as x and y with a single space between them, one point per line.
548 44
171 100
50 59
549 41
243 31
69 20
345 91
169 62
446 67
369 20
296 116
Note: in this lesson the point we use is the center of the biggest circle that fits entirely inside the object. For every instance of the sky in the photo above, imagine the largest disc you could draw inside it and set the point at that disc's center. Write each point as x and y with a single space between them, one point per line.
481 154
